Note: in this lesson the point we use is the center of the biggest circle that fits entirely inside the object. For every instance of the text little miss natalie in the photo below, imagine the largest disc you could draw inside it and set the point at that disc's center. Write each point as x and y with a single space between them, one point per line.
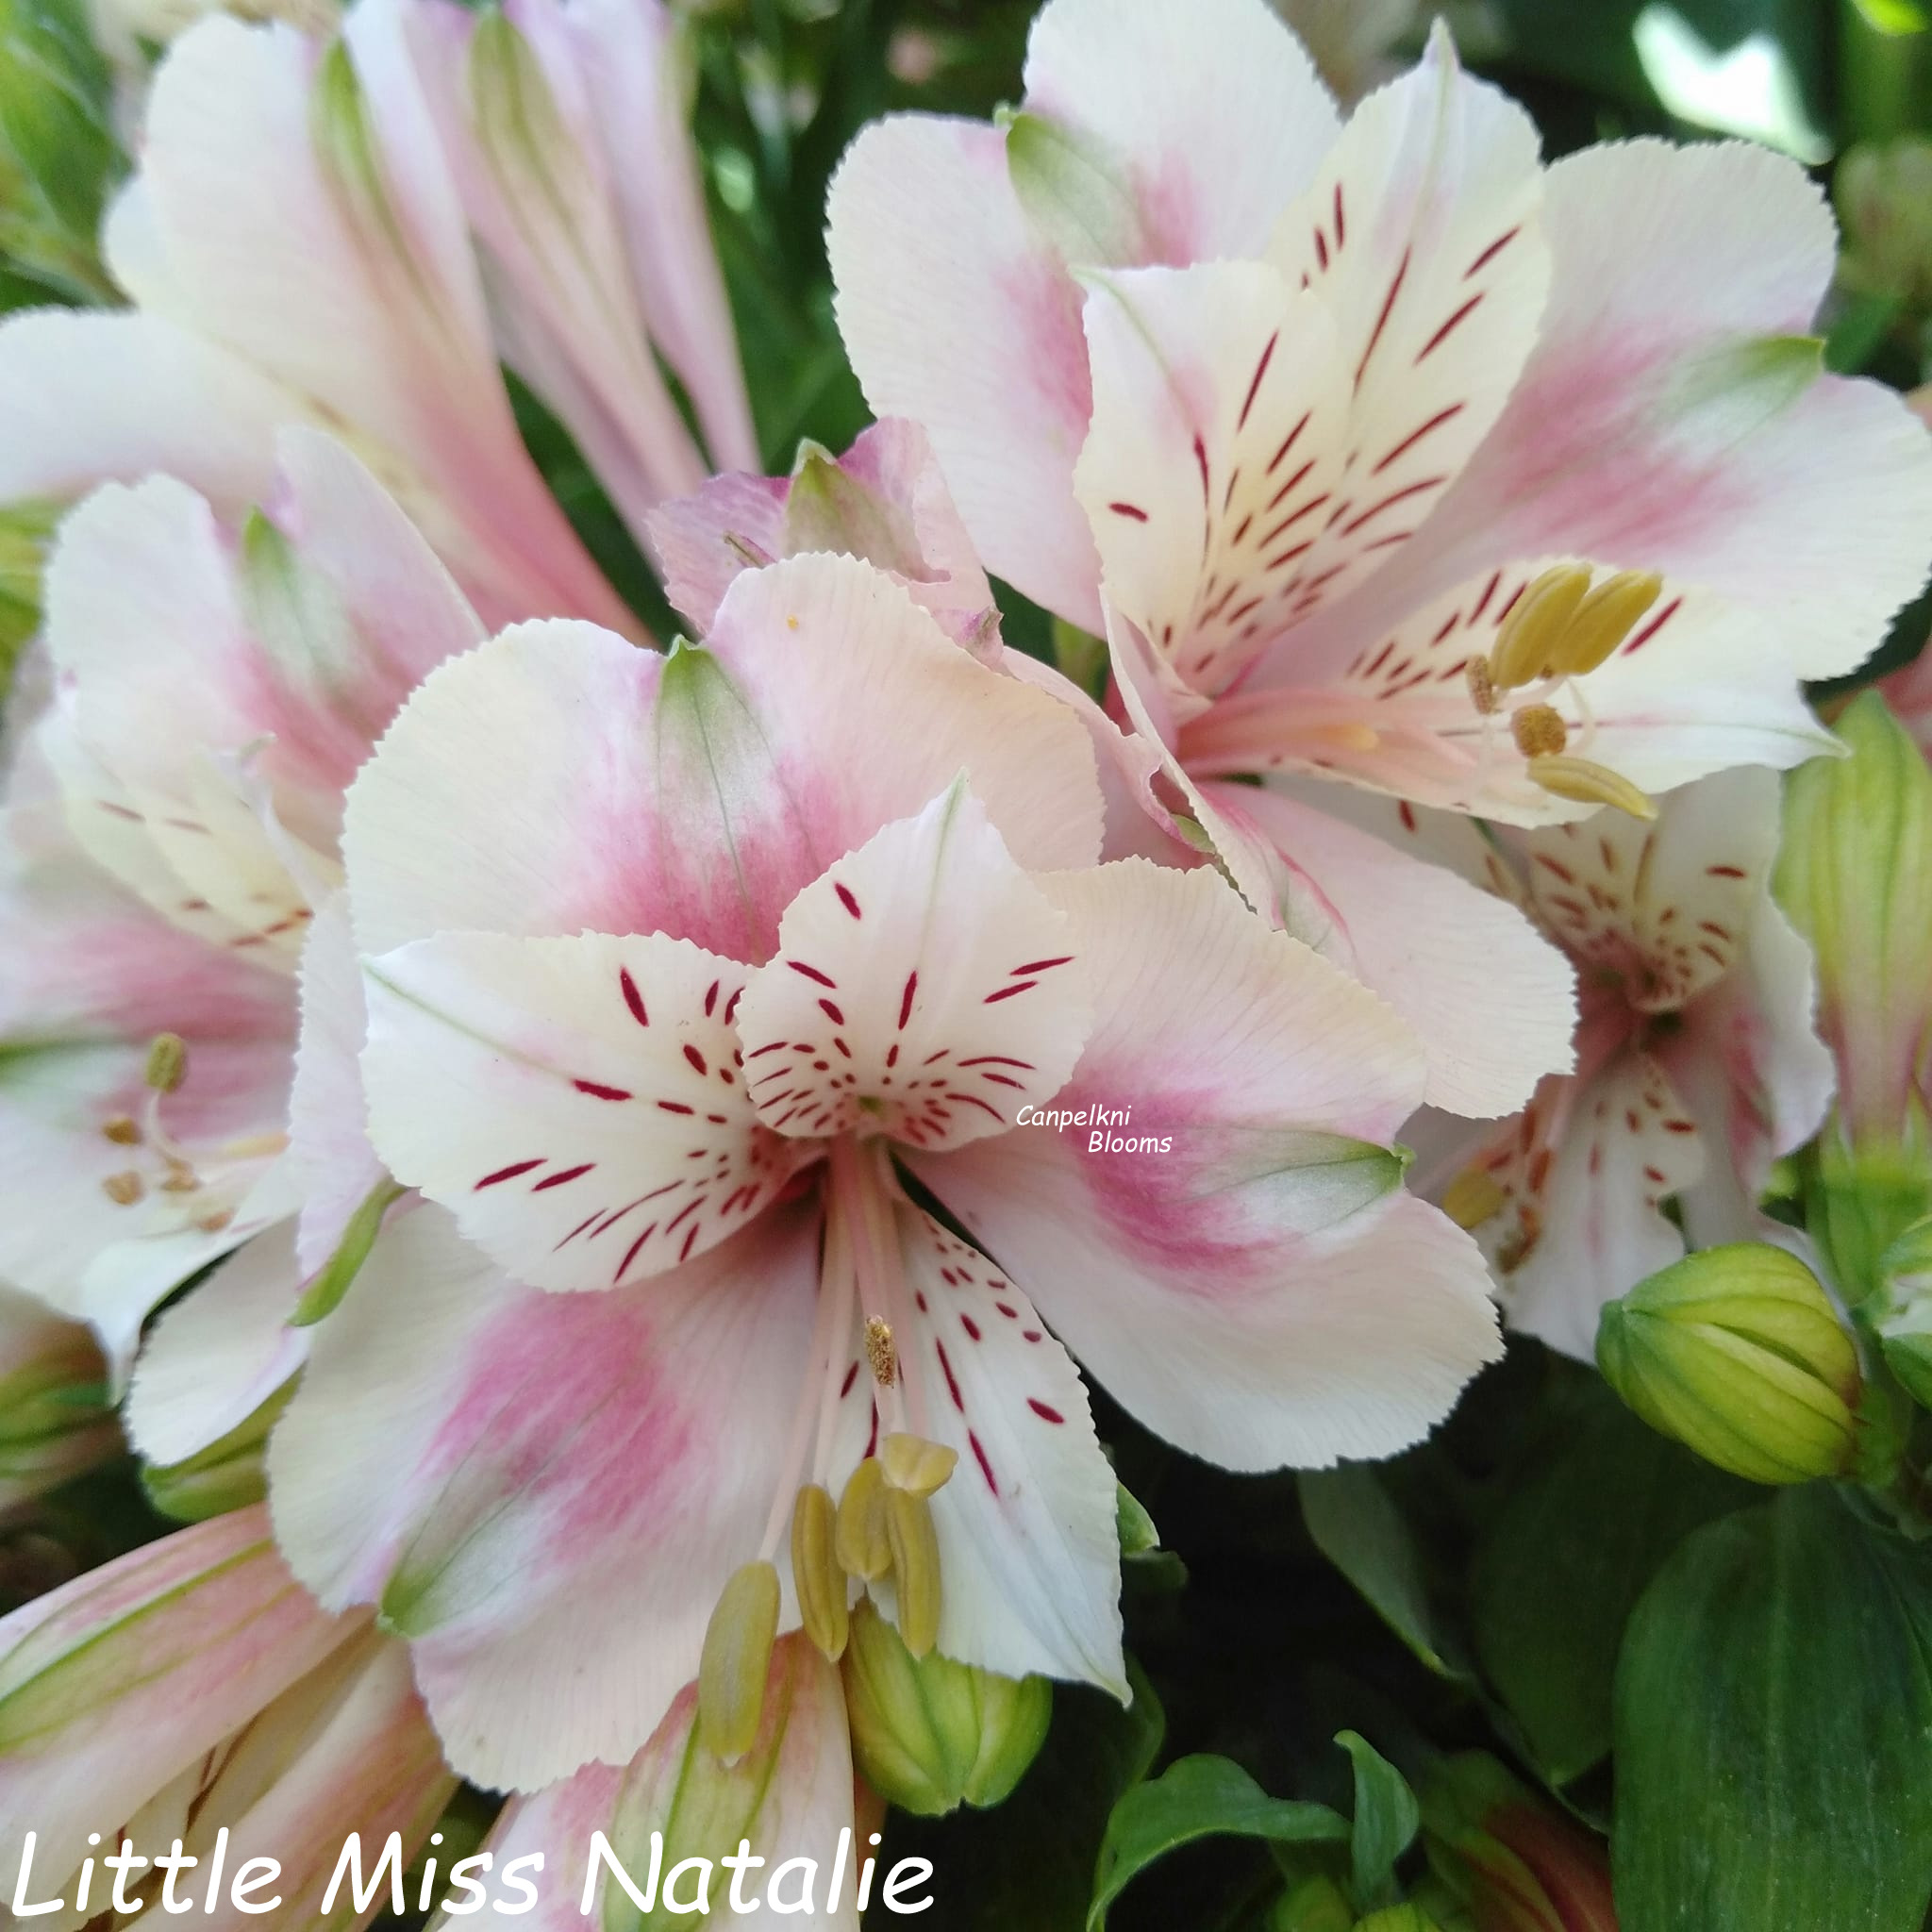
741 1883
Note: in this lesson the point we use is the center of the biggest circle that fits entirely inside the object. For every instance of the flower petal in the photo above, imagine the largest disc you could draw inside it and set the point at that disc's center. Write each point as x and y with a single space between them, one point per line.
90 398
790 1796
697 795
578 1104
1671 420
1246 1289
544 1494
1211 165
956 313
1029 1547
219 1353
1492 1002
331 1163
924 982
114 1683
1593 1174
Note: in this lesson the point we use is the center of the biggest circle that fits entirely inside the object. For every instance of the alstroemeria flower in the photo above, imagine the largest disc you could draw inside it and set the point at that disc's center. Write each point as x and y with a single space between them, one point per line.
102 1225
215 690
1297 412
790 1798
564 122
686 1021
298 243
191 1687
1697 1065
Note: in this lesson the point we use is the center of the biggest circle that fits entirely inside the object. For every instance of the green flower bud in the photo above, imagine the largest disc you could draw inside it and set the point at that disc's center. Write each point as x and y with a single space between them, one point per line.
1315 1905
929 1734
1738 1354
1855 874
56 1418
1511 1861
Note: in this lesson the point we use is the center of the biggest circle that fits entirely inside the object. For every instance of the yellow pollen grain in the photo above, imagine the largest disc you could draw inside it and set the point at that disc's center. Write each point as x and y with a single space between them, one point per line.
881 1351
180 1180
1584 782
167 1062
1539 731
1472 1198
124 1130
1482 689
123 1190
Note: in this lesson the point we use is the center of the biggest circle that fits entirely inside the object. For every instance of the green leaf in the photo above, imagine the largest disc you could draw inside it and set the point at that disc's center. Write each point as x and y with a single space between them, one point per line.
1195 1798
1386 1820
1774 1728
1599 1502
1357 1528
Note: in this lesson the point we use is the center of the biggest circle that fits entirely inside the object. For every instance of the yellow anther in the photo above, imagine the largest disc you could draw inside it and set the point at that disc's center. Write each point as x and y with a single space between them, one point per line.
1349 734
167 1062
1537 619
736 1661
816 1572
1472 1198
123 1190
1539 731
917 1466
881 1351
123 1129
915 1569
861 1543
1604 620
180 1180
1587 783
1482 688
214 1223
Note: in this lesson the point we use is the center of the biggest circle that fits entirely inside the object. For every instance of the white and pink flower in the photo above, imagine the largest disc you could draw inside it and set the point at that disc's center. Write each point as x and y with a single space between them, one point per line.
1296 413
1697 1062
689 1037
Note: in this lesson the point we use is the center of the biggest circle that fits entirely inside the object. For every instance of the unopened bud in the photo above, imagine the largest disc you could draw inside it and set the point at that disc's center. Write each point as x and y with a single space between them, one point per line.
929 1734
736 1660
816 1572
1855 875
1511 1863
863 1546
1317 1904
1737 1353
1905 1325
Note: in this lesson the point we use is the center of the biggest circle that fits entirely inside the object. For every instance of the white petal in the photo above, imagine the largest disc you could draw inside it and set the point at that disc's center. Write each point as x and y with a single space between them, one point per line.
578 1104
924 982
